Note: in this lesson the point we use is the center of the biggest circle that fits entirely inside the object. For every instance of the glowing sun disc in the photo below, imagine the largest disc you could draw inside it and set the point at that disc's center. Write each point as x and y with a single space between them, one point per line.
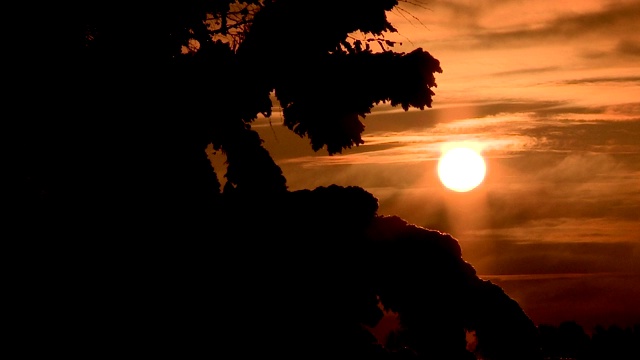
461 169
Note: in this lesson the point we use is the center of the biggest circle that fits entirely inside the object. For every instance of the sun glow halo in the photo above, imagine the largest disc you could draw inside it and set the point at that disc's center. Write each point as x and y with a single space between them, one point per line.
461 169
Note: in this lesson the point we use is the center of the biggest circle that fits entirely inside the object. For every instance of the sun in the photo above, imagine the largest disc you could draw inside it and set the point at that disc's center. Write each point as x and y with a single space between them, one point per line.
461 169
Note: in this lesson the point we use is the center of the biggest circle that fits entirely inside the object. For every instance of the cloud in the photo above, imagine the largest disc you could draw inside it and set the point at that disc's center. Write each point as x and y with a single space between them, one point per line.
628 47
564 133
505 134
504 23
536 255
548 163
617 18
589 299
622 51
525 71
592 80
579 186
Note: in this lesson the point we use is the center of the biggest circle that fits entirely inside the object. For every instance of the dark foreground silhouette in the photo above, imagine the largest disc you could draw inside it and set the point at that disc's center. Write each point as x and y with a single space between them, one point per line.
122 241
569 341
304 273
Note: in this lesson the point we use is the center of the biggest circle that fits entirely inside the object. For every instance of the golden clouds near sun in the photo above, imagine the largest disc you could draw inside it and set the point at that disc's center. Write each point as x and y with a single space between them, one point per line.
461 169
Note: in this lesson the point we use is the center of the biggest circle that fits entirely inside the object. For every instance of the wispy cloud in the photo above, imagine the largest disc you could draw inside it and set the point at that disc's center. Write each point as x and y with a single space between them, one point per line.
507 23
593 80
617 18
628 47
589 299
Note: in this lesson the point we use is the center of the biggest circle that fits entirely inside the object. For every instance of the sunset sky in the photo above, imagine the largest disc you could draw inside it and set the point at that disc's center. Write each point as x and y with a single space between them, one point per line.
549 92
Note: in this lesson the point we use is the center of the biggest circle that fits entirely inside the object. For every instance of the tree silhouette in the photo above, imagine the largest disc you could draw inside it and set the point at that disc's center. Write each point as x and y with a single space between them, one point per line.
130 61
566 341
569 341
138 248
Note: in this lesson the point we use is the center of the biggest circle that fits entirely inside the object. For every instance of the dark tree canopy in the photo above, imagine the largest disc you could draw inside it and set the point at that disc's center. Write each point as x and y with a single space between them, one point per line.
132 245
300 52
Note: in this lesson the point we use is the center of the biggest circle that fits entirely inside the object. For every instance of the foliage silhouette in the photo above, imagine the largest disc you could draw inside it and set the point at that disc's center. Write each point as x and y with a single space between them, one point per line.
135 247
569 341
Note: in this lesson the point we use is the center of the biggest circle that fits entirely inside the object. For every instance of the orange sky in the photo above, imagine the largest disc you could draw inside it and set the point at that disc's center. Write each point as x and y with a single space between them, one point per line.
550 93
